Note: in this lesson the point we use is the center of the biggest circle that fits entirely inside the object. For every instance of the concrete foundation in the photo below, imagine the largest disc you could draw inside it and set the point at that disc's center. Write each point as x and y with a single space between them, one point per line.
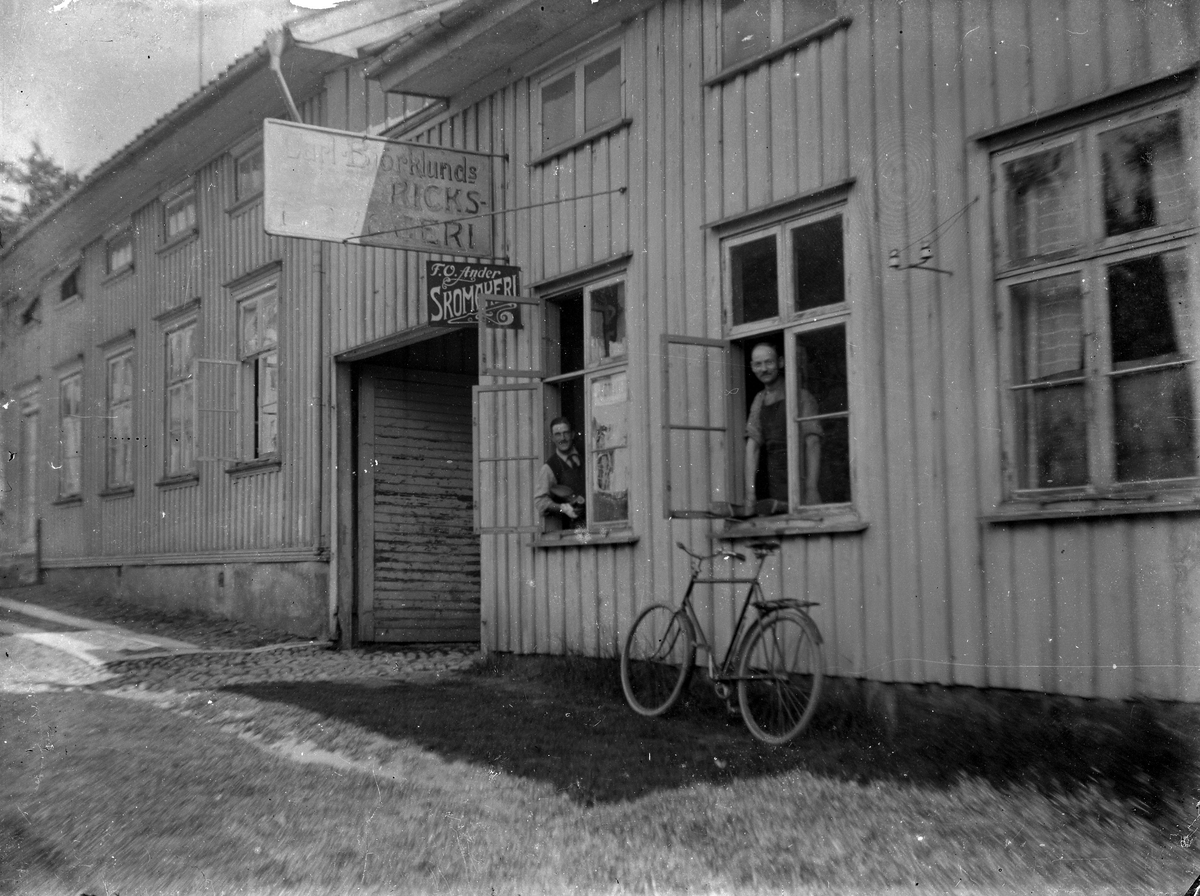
292 597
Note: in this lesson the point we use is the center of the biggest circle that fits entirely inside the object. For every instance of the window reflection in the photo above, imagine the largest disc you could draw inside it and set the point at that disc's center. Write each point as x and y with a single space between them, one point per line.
1145 178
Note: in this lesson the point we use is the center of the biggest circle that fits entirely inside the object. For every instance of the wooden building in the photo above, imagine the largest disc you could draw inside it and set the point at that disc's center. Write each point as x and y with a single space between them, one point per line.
968 227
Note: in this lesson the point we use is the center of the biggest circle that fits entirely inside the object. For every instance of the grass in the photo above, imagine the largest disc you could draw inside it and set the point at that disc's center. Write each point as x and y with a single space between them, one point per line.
532 776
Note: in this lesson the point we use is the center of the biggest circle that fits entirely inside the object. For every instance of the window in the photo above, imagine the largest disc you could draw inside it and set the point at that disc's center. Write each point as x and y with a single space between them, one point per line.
788 315
69 287
1095 274
118 455
70 435
181 400
119 252
259 350
752 28
179 214
588 384
583 100
248 174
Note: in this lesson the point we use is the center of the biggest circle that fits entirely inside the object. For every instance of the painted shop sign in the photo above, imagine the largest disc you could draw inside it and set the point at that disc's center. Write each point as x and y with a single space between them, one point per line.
332 185
453 290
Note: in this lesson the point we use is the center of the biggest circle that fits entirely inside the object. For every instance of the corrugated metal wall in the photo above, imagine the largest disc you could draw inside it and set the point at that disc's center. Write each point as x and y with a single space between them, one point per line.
927 592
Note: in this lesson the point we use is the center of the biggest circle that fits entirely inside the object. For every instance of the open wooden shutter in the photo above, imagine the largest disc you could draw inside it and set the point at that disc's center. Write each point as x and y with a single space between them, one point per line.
695 426
508 414
217 403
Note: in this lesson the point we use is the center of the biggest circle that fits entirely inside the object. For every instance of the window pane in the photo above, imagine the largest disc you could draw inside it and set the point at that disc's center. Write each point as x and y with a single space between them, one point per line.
268 404
817 262
558 112
607 330
249 174
1153 421
602 90
754 276
566 324
70 435
181 215
268 312
1042 202
1052 437
120 253
823 390
609 460
799 17
250 341
1145 175
1148 309
745 29
1048 349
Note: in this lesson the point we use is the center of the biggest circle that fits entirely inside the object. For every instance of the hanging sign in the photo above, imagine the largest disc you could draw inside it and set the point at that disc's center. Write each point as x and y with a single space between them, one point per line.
453 291
331 185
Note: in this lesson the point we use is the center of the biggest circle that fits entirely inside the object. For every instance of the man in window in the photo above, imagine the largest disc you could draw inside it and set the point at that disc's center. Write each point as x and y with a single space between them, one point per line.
561 481
766 428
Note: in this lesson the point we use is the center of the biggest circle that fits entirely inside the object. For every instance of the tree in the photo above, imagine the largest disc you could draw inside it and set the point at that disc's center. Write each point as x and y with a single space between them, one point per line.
40 182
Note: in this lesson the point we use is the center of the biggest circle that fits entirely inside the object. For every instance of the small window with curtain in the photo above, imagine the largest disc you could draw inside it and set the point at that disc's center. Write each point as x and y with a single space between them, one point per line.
119 253
1096 278
179 213
248 174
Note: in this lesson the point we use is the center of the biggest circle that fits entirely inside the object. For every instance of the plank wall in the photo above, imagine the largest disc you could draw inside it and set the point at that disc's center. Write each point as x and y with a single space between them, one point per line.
927 593
264 515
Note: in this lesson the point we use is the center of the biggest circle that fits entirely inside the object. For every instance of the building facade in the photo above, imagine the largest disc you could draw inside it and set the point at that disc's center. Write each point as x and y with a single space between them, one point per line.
968 229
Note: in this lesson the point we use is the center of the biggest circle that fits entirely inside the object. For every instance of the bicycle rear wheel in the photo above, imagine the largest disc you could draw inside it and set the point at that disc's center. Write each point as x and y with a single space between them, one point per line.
658 658
780 675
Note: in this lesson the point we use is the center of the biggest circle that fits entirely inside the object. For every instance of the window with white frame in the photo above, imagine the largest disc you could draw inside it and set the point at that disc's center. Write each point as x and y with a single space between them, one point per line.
1096 268
582 100
259 352
752 28
179 213
70 434
788 314
180 410
248 173
588 384
119 252
118 455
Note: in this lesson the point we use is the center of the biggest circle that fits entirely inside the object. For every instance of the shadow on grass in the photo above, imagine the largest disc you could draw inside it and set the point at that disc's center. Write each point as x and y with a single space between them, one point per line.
564 721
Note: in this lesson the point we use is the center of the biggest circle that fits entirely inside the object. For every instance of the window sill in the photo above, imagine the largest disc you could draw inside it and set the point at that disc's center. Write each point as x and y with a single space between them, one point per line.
118 274
243 204
68 303
837 522
183 479
117 491
67 500
1089 508
178 242
258 465
573 538
795 43
594 134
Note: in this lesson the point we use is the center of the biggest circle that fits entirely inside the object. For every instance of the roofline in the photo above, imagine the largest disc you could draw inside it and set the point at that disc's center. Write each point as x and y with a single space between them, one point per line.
445 23
238 71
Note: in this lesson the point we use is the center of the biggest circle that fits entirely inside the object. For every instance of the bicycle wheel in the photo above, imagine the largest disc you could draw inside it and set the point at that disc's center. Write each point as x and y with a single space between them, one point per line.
657 661
780 675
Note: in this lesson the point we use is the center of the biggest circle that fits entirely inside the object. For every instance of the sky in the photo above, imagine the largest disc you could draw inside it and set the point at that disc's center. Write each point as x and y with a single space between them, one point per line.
84 77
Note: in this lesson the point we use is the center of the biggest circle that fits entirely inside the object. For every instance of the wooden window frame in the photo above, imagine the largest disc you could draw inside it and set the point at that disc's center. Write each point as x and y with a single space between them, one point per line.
70 435
1088 261
580 133
183 196
115 480
118 241
252 373
186 468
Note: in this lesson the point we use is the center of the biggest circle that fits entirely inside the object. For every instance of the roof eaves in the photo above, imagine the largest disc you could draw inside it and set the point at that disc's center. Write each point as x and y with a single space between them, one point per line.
237 71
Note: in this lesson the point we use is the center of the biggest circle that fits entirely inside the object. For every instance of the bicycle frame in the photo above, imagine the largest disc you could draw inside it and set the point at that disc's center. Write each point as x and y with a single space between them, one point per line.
723 672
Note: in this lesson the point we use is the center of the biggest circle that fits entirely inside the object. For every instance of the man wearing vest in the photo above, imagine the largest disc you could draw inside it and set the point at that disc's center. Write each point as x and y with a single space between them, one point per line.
561 482
766 433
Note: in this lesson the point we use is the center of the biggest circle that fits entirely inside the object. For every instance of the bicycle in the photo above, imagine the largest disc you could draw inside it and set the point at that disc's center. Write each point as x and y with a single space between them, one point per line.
778 656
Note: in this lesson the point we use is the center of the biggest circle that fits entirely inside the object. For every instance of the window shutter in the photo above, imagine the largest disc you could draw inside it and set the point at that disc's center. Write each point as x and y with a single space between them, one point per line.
696 409
508 456
218 385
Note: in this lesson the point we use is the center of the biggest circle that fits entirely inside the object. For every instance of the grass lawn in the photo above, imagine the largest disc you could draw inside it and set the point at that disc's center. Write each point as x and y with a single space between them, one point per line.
534 778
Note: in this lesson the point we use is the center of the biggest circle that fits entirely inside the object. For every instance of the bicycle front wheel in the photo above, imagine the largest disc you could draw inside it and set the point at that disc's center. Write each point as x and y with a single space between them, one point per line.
780 675
657 661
